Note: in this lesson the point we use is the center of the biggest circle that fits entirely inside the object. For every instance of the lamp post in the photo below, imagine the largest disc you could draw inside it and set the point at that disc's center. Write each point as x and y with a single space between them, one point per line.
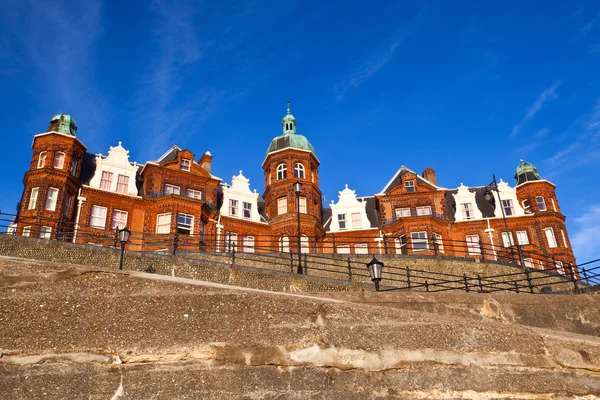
123 238
375 266
297 188
488 196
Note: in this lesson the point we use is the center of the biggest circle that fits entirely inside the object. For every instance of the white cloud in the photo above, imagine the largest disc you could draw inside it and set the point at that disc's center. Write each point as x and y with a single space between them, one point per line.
547 95
587 232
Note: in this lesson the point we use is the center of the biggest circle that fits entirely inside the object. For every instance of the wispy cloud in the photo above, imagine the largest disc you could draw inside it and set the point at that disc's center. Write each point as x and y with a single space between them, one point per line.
534 142
547 95
376 61
584 240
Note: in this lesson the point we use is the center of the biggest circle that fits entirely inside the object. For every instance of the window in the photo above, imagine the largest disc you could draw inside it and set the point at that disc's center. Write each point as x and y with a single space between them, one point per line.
45 232
98 219
185 223
304 244
73 168
402 212
247 210
248 244
42 160
284 244
356 220
361 248
298 171
467 210
171 189
122 183
343 249
59 160
33 198
400 244
528 262
202 230
507 239
424 210
553 204
559 267
281 205
194 194
281 171
541 203
419 241
473 244
163 223
526 205
507 205
233 204
522 237
119 219
302 205
106 180
184 164
410 186
342 221
230 241
26 231
51 199
564 238
550 237
269 179
67 206
437 240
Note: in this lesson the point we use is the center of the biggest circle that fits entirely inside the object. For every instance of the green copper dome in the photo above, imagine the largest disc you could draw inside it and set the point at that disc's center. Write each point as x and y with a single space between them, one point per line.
290 139
526 172
64 123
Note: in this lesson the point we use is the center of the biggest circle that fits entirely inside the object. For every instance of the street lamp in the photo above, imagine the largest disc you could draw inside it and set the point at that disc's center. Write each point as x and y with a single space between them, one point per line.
297 188
123 238
375 266
490 198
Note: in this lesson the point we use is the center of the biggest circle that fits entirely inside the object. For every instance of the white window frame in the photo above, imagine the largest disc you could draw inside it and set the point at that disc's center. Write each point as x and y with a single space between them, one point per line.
304 245
528 262
467 210
522 238
551 238
163 224
553 204
33 198
122 187
409 186
185 164
194 194
281 171
246 209
439 241
356 220
97 214
402 212
73 167
231 241
400 244
526 204
507 205
233 205
299 171
473 246
117 221
67 205
284 244
302 205
541 202
564 238
61 160
343 249
26 231
106 180
361 248
419 241
282 206
507 239
52 199
185 224
45 232
172 189
424 210
560 268
342 222
201 229
42 159
248 244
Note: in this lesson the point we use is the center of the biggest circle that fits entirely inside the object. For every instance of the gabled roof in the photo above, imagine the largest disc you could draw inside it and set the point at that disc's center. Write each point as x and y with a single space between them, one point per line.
397 180
170 155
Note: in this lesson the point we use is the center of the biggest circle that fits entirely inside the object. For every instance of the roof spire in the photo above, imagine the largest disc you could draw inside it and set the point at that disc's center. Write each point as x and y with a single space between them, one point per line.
289 122
289 112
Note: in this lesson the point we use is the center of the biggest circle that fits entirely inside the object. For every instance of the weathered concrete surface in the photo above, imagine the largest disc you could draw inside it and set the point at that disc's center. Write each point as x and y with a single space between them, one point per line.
79 333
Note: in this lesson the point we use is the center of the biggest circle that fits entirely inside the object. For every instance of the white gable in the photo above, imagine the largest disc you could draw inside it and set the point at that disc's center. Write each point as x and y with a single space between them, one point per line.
347 205
240 193
116 163
507 193
462 197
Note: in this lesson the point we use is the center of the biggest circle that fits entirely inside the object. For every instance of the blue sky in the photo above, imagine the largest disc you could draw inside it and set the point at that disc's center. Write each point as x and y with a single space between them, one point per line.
467 88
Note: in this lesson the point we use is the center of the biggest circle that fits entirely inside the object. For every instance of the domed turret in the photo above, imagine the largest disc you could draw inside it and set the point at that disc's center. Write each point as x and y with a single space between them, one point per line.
526 172
63 123
290 139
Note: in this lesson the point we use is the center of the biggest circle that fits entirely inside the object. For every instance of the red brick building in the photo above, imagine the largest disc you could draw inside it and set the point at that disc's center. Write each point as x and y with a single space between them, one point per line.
74 195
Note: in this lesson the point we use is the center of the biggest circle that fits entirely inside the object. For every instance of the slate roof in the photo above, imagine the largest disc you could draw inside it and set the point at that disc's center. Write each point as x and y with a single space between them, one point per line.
486 207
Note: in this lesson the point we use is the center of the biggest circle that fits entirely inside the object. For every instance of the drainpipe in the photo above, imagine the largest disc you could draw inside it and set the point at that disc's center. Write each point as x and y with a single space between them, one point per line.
80 200
490 232
219 227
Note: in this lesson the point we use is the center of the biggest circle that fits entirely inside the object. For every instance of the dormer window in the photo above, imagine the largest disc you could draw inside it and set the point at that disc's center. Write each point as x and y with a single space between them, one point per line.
233 204
410 186
507 205
526 205
171 189
184 164
541 203
342 221
281 171
59 160
41 160
467 210
298 171
106 180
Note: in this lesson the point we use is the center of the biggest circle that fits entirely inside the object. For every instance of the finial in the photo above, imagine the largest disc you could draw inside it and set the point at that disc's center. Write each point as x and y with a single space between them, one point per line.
522 161
120 143
289 111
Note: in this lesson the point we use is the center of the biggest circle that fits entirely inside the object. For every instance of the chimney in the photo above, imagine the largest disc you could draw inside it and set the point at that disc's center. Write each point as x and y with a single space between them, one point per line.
429 174
206 161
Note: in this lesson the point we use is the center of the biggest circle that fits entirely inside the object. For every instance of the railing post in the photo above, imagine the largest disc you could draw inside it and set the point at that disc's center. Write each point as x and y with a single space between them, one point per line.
585 276
333 241
233 257
435 245
349 270
516 286
58 228
385 245
481 250
572 274
175 242
305 263
408 276
426 285
528 274
480 283
116 237
466 283
291 263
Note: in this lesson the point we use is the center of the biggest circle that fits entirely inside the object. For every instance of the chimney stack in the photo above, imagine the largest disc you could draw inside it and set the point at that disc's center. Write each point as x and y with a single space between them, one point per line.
206 161
429 174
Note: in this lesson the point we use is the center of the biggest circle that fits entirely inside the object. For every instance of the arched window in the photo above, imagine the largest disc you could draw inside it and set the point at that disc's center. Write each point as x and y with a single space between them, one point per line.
284 244
281 171
304 244
298 171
